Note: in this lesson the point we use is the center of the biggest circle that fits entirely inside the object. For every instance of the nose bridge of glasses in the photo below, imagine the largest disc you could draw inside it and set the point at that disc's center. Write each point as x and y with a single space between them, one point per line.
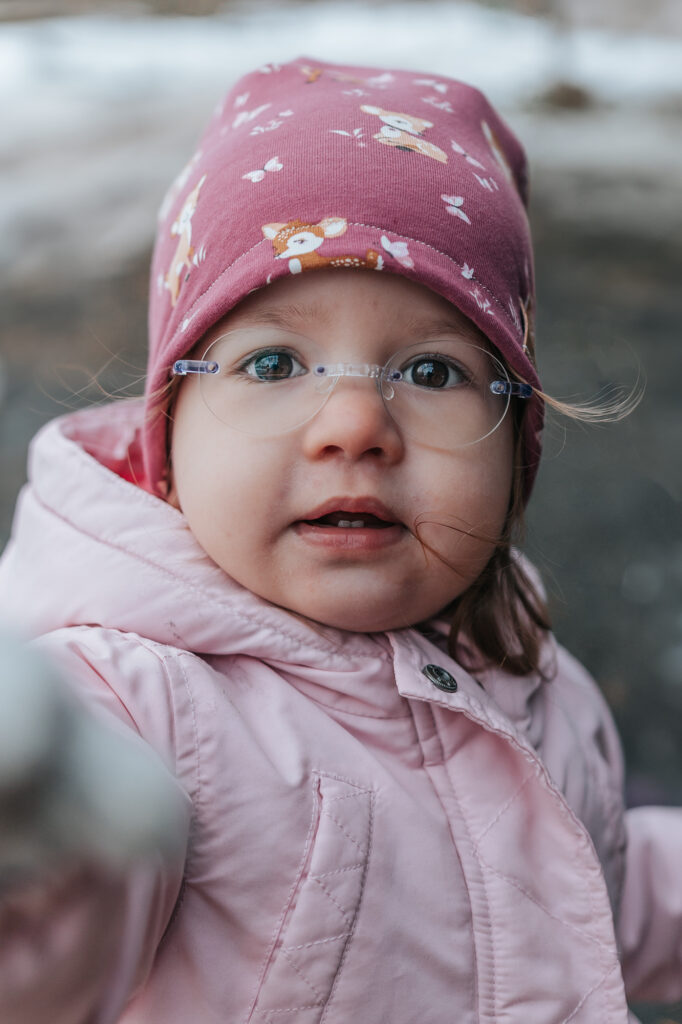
336 370
328 375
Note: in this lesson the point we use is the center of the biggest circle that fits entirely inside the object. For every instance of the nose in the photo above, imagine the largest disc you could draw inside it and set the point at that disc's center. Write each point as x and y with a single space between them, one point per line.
354 424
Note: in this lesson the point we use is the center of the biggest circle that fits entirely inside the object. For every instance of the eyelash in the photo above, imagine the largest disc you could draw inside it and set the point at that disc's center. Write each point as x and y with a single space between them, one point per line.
438 357
242 368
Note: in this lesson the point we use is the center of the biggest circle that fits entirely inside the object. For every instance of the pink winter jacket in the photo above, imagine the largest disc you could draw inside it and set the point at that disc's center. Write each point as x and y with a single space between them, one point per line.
364 846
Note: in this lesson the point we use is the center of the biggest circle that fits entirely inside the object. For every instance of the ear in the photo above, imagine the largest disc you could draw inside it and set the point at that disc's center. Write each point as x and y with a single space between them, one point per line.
371 110
333 226
272 230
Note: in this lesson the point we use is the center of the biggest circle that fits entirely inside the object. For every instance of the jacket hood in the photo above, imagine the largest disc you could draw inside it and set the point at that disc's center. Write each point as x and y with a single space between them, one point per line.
82 520
90 546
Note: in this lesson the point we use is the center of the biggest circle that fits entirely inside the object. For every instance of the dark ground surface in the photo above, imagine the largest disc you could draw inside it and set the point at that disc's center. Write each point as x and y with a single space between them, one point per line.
604 525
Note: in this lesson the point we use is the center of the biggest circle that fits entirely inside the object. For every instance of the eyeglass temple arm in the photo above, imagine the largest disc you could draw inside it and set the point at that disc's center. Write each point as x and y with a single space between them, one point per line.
181 367
511 387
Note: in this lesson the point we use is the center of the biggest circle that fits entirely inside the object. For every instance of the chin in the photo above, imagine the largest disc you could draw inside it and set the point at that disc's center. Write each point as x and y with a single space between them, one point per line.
356 619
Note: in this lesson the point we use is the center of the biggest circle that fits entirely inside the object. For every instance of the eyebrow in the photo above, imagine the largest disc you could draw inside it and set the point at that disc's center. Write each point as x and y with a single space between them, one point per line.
294 314
289 315
460 325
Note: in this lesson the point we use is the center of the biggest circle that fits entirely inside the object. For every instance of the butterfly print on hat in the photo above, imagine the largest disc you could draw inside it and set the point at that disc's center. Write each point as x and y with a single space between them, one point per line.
467 156
482 301
453 204
433 101
357 134
487 183
271 165
399 252
244 116
440 87
274 123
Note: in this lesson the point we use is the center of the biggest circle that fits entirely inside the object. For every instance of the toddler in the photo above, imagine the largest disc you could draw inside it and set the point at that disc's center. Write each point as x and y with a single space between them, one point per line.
316 756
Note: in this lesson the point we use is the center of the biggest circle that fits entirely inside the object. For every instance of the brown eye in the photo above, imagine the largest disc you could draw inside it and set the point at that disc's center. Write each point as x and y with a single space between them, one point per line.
429 372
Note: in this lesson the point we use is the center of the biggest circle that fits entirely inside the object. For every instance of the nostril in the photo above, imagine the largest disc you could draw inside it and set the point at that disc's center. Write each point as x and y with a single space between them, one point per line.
353 423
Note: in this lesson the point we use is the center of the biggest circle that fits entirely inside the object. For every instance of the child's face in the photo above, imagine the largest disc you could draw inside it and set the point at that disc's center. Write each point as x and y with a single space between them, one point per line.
252 502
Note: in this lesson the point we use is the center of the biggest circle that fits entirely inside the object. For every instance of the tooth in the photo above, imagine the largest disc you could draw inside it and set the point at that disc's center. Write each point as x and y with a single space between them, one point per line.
347 523
358 522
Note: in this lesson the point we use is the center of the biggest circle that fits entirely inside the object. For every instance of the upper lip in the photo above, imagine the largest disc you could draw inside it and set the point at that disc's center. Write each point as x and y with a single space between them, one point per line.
355 506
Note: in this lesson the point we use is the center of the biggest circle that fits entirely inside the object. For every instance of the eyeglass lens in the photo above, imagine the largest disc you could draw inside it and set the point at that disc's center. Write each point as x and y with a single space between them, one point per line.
265 383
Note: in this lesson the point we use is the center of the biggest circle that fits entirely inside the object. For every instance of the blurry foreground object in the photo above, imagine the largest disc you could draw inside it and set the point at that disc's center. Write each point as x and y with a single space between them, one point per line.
74 790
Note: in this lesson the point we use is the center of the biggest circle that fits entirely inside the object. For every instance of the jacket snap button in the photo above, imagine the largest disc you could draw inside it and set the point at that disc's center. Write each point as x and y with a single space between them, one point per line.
440 677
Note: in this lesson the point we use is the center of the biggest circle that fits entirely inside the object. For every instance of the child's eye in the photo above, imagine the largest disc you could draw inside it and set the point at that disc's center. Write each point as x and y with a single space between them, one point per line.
272 365
434 372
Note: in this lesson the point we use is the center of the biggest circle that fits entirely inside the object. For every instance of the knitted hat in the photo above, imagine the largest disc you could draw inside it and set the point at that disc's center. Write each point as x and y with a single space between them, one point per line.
392 171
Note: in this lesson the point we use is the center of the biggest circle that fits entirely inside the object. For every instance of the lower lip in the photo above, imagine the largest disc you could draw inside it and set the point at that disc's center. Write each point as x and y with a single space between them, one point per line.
353 538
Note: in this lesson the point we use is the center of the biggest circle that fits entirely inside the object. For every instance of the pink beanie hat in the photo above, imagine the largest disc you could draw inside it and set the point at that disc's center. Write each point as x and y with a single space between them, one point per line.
394 171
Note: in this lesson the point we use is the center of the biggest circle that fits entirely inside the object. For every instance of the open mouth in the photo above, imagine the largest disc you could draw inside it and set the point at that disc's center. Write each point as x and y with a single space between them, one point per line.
355 527
351 521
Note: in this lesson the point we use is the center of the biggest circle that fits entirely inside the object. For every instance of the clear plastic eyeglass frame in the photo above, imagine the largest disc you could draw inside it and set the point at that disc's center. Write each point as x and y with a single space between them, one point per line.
235 389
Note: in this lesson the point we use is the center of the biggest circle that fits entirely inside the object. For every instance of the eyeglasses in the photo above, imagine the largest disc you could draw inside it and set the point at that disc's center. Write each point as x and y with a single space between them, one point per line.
444 393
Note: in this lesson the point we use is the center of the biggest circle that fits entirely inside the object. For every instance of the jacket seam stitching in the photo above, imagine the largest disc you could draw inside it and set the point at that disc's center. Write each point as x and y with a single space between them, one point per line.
345 832
475 986
597 985
358 905
341 778
270 949
541 906
195 730
504 808
287 956
286 1009
357 714
319 942
340 871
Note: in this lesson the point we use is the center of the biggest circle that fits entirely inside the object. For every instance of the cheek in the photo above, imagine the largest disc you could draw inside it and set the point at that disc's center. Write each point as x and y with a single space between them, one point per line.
213 496
226 485
201 467
189 446
465 500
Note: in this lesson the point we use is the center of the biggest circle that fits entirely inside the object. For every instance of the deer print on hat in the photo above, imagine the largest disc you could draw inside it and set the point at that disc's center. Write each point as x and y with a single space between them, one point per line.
185 255
297 242
405 132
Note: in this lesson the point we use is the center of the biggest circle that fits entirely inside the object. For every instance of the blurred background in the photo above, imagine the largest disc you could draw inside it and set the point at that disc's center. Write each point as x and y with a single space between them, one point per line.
102 104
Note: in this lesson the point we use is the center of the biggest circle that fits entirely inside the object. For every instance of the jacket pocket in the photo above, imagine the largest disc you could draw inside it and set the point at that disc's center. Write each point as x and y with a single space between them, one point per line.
319 920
